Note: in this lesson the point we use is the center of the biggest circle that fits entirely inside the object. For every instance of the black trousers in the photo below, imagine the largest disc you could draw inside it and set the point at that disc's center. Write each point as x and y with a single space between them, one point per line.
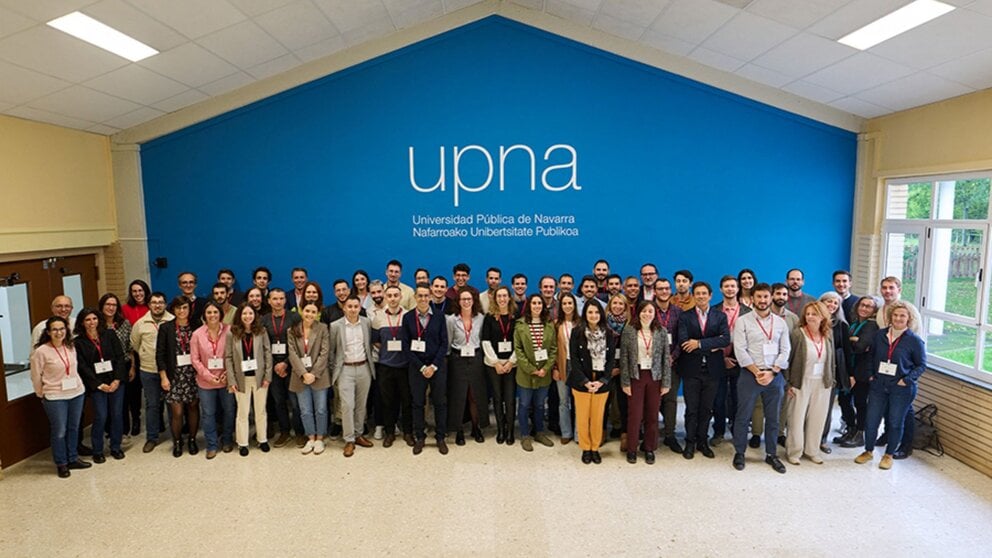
504 387
132 403
285 405
439 399
845 398
725 403
699 393
859 393
394 398
466 375
670 406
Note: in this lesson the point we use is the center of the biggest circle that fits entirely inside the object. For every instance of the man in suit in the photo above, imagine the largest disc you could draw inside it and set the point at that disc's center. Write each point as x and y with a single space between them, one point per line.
703 334
849 300
352 372
725 404
425 337
649 274
187 287
667 314
295 297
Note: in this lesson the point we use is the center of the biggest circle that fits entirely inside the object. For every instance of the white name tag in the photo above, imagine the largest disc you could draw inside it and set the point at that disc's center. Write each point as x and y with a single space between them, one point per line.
418 346
307 361
249 365
104 367
645 364
394 345
278 348
616 355
215 363
504 346
541 354
818 370
69 383
669 339
887 368
468 352
770 350
184 360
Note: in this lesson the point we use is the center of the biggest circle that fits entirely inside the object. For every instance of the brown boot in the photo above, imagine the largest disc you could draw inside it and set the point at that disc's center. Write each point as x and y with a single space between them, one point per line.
623 442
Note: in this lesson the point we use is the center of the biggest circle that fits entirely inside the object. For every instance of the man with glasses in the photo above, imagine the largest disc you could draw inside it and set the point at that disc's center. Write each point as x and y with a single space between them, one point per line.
61 307
649 274
187 287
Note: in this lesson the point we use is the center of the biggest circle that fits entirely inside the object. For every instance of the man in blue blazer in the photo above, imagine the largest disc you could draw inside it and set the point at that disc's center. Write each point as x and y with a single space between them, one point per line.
425 338
703 333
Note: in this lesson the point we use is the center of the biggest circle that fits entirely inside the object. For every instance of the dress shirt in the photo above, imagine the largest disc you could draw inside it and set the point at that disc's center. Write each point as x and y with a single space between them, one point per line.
750 338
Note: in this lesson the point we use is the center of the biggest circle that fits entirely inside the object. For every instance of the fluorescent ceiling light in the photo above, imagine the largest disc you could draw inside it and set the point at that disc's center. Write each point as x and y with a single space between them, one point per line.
905 18
84 27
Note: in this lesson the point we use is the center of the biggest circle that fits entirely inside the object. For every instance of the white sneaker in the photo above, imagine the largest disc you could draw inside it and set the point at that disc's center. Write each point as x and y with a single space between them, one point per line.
308 447
318 447
379 430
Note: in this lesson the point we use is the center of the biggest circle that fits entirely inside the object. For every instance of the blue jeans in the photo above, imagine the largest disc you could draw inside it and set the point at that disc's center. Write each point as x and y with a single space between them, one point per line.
887 398
748 392
107 406
209 399
313 410
528 398
63 418
151 384
565 408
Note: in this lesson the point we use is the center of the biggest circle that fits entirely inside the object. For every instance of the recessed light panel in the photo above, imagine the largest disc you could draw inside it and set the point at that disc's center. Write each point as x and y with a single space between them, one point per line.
84 27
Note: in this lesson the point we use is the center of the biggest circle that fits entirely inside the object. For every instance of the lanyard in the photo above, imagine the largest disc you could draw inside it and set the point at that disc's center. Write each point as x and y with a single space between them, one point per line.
892 345
505 330
568 330
280 329
306 343
468 332
247 344
96 344
65 360
702 322
768 333
393 331
732 318
214 343
819 348
857 328
182 339
647 342
667 317
421 329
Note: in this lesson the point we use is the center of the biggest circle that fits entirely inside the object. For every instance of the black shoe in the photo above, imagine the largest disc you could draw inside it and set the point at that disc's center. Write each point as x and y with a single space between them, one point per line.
596 458
135 430
739 461
99 458
264 446
177 448
900 454
418 446
460 439
79 464
775 463
509 438
587 457
781 441
335 430
857 440
477 436
689 452
442 447
84 450
754 442
825 448
500 435
631 457
840 439
673 444
705 450
615 433
62 471
193 448
117 454
881 441
649 457
243 451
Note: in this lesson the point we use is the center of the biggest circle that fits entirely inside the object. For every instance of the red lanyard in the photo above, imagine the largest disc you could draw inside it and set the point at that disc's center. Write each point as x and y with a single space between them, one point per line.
394 331
65 360
306 344
214 343
819 349
768 333
505 330
96 344
183 340
421 329
282 322
468 332
732 318
647 341
247 344
667 317
702 322
892 345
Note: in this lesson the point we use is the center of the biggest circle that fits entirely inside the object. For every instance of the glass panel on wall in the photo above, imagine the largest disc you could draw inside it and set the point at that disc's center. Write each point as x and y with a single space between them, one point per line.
953 341
956 259
72 286
15 334
963 199
902 260
909 201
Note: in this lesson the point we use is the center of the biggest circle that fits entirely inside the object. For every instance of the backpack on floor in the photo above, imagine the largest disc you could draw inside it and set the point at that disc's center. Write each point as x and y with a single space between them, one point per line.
926 437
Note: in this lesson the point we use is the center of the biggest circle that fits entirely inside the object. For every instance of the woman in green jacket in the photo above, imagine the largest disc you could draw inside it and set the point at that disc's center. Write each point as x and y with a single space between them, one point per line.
535 345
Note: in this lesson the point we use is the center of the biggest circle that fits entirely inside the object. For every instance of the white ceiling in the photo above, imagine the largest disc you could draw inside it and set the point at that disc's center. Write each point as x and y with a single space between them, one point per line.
210 47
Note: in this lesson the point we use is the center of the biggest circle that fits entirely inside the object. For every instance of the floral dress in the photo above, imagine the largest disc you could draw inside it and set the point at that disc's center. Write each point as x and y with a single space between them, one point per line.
183 384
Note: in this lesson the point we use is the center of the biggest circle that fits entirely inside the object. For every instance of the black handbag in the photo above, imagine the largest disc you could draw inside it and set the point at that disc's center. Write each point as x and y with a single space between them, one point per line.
926 437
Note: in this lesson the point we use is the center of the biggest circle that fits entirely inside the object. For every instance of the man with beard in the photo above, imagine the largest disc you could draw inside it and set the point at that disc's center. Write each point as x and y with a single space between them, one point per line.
394 270
588 291
277 323
519 287
144 338
780 298
667 314
547 287
392 368
683 298
614 285
795 279
377 294
601 271
219 294
300 278
725 404
494 276
649 274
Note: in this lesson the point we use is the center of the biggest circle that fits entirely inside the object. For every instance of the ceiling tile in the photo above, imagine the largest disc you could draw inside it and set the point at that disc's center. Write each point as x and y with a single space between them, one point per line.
374 30
861 108
11 22
348 15
52 52
590 5
226 84
21 85
616 27
665 43
256 7
275 66
693 20
133 118
747 36
4 106
193 18
804 54
44 10
83 102
763 75
812 91
532 4
454 5
974 70
639 12
244 45
39 115
135 23
190 64
103 129
795 13
857 73
853 16
182 100
570 12
321 49
981 6
953 35
716 59
407 14
136 83
297 25
913 90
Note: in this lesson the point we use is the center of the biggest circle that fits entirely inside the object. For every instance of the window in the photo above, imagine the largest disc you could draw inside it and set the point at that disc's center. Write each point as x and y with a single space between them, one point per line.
936 234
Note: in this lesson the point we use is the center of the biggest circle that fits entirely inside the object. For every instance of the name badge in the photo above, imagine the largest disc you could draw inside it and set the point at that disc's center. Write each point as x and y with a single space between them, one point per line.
770 350
616 355
418 346
818 370
669 339
504 346
69 383
104 367
541 354
307 361
645 364
468 352
184 360
394 345
887 368
249 365
215 363
278 348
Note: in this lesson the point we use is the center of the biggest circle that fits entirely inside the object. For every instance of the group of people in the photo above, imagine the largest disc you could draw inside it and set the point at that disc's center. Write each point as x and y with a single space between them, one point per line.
767 361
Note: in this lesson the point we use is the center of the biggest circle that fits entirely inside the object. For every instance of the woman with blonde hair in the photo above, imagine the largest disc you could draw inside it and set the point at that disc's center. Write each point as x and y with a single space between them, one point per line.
501 361
568 317
810 379
842 348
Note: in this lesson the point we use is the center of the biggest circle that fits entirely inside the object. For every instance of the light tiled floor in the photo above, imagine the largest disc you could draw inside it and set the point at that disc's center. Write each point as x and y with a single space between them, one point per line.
492 500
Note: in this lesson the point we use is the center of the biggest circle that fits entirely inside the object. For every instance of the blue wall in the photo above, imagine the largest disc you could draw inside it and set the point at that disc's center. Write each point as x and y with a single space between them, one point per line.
668 170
